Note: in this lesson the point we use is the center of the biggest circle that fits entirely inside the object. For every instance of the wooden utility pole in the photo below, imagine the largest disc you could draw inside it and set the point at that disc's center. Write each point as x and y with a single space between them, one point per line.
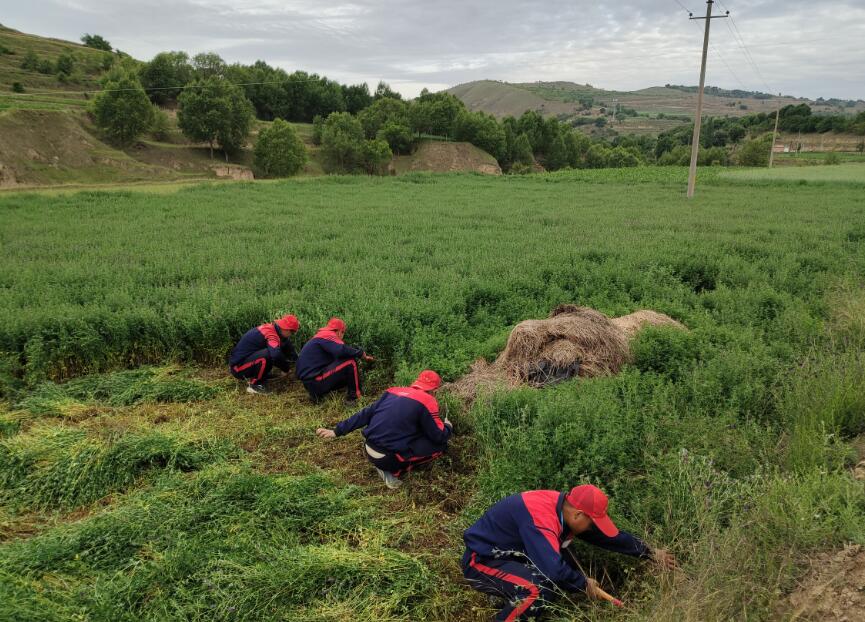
775 134
698 118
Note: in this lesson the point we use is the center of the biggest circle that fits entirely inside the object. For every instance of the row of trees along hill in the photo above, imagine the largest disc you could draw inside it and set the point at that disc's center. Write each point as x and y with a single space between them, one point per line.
273 92
359 131
519 144
722 137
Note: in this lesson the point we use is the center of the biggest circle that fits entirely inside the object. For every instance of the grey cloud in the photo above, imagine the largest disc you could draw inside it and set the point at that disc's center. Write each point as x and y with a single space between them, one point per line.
413 44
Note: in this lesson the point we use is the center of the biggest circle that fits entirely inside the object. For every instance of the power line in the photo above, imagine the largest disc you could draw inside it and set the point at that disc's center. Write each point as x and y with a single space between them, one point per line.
740 40
721 56
690 12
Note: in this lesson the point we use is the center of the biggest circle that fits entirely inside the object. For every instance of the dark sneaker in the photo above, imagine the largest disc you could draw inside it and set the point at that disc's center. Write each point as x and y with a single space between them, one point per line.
390 480
257 389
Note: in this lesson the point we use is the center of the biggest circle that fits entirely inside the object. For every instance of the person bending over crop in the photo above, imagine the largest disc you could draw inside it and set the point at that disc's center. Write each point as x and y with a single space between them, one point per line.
402 429
260 349
326 363
515 550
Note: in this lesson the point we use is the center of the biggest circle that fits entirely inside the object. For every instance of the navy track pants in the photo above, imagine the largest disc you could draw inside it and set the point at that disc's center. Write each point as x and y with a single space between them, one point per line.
421 451
254 368
335 376
519 584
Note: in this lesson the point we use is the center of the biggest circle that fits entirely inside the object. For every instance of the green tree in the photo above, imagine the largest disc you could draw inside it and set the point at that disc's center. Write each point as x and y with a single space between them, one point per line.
376 156
755 152
481 130
356 97
383 90
523 151
317 129
96 42
64 65
279 152
208 65
30 62
383 111
122 109
398 136
216 112
17 87
577 145
342 143
164 77
598 156
435 113
557 154
160 127
622 157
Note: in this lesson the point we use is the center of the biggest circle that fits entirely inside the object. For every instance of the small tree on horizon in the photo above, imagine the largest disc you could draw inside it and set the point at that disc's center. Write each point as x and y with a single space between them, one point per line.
216 112
96 42
122 109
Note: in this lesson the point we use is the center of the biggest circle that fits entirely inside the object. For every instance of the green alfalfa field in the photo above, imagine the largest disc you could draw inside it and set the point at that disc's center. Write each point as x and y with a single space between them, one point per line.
137 481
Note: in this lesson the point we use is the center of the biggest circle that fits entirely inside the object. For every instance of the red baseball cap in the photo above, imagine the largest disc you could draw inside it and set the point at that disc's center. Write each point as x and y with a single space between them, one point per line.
427 380
590 500
335 323
288 322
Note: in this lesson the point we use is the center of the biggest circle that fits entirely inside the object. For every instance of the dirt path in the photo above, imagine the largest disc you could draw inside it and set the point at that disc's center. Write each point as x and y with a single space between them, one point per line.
833 590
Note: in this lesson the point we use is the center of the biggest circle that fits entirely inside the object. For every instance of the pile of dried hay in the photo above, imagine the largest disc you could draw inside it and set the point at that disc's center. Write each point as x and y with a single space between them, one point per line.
573 341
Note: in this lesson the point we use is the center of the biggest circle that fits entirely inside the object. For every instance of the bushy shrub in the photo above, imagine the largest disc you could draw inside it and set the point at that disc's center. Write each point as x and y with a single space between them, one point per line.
832 158
664 350
342 141
279 152
160 127
376 156
17 87
397 136
755 152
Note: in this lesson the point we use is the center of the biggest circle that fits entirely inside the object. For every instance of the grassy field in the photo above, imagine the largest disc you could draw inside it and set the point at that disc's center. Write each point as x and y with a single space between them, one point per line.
851 172
146 485
817 157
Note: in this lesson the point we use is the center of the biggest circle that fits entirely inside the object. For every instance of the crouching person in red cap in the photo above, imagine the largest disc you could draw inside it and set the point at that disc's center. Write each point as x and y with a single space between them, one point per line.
402 429
515 550
326 363
260 349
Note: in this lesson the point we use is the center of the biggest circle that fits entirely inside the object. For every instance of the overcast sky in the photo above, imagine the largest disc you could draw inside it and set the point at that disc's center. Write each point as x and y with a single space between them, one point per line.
805 48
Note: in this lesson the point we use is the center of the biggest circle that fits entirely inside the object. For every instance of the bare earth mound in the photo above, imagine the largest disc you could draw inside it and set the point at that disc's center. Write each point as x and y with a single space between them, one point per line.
445 157
573 341
833 590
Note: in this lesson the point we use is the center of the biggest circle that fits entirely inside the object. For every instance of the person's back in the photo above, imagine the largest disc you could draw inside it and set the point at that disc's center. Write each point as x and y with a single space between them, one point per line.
402 428
262 347
326 363
254 339
401 416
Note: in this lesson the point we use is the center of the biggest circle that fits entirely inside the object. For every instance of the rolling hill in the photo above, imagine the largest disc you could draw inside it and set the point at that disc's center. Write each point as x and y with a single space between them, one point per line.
654 105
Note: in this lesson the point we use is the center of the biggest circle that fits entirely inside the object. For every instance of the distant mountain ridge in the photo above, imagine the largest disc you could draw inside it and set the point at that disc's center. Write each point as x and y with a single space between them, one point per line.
569 99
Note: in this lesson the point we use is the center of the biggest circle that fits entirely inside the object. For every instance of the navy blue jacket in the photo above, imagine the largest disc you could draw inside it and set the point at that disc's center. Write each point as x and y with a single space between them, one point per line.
322 351
530 524
399 416
269 336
